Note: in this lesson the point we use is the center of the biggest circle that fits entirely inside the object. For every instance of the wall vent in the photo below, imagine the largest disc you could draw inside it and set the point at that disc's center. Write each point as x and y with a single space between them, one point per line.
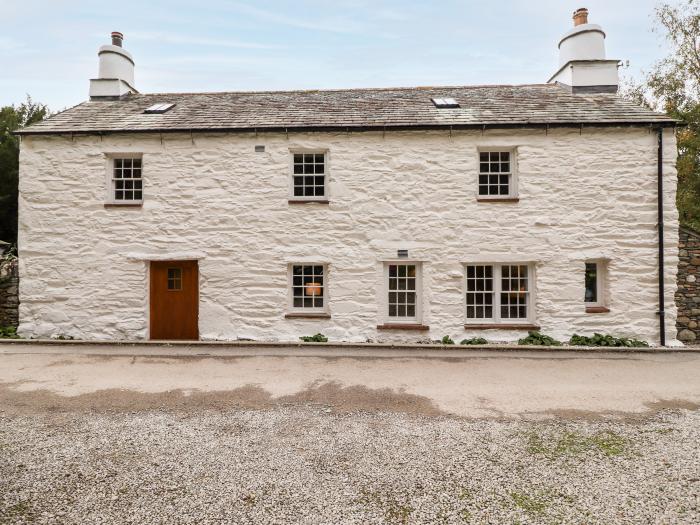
259 149
402 253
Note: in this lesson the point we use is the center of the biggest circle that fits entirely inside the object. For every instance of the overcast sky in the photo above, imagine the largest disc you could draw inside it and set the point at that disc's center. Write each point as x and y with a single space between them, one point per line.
48 48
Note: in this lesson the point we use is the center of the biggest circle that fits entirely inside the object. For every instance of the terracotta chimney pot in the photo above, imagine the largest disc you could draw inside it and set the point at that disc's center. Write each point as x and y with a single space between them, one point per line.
580 16
117 38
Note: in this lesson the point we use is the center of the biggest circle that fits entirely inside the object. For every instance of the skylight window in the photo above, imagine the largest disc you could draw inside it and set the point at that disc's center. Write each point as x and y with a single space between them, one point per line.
445 103
158 108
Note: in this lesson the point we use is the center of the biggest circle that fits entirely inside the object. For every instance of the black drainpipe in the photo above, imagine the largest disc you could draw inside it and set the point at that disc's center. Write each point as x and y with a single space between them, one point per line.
660 212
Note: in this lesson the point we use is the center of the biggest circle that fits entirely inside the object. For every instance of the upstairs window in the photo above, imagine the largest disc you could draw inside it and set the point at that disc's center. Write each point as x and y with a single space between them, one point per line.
498 293
496 175
309 176
126 185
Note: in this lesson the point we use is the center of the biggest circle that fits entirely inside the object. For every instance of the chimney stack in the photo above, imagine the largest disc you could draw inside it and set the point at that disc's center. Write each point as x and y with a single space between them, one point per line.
583 65
116 73
580 16
117 38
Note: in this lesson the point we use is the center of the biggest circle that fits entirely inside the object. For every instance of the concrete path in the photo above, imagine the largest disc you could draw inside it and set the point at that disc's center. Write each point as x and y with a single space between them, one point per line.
472 384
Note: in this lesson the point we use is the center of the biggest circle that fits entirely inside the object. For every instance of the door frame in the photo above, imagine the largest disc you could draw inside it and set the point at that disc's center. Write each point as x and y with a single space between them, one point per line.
148 290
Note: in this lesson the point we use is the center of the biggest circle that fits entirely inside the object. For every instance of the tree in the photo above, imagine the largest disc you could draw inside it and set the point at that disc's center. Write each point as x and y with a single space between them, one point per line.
673 86
12 118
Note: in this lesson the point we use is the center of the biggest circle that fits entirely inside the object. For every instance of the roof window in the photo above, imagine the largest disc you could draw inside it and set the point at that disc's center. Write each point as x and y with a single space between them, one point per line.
445 103
158 108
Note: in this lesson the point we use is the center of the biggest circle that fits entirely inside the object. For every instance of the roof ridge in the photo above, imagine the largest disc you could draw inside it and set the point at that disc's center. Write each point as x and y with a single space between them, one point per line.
336 90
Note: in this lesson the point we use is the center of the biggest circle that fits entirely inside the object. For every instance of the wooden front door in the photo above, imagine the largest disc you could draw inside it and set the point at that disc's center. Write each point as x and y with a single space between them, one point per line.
174 300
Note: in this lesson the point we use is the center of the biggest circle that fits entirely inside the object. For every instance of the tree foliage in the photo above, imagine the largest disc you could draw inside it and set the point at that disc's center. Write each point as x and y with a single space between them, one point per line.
673 86
12 118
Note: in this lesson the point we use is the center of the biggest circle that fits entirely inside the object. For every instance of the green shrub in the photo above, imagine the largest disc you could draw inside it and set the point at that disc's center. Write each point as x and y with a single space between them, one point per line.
606 340
318 338
538 339
8 332
474 341
447 340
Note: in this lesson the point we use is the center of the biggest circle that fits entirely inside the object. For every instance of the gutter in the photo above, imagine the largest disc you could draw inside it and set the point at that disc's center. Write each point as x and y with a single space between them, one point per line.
362 128
660 223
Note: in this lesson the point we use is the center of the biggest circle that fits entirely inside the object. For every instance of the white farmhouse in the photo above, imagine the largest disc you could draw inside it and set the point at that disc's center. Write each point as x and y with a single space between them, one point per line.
399 214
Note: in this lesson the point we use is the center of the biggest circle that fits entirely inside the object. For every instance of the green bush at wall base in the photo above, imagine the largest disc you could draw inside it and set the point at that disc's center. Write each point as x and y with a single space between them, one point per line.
8 332
474 341
318 338
606 340
538 339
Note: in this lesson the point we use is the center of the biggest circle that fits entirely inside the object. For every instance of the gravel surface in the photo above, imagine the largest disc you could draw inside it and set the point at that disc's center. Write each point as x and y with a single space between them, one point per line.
310 464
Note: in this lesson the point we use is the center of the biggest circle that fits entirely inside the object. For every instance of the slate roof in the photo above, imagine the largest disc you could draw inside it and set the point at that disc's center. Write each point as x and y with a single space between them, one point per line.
390 108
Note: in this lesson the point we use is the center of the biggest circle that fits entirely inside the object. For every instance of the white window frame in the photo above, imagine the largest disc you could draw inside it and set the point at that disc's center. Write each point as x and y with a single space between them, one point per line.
290 290
385 318
110 180
601 283
326 172
513 175
496 319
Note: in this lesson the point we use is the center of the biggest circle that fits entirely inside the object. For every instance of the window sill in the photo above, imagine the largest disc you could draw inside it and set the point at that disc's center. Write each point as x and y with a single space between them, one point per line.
498 199
399 326
307 315
123 204
306 201
501 327
597 310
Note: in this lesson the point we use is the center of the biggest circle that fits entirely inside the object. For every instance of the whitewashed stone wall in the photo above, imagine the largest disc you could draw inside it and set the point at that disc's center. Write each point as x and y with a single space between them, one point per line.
583 195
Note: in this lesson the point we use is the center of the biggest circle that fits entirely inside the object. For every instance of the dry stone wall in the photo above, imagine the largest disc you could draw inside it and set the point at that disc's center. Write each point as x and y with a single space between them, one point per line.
583 194
9 293
688 293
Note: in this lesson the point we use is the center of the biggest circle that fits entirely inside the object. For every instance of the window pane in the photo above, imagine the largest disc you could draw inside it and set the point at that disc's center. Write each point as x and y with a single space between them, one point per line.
402 303
494 163
313 167
515 290
127 176
174 278
479 291
308 288
591 283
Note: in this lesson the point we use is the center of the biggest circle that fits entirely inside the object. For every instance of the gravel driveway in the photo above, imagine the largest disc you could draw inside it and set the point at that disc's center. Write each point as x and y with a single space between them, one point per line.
165 436
310 464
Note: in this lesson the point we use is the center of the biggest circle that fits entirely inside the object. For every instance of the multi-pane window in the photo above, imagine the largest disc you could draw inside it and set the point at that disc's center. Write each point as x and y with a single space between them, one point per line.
495 174
402 292
127 181
309 178
174 279
480 292
308 286
498 292
515 289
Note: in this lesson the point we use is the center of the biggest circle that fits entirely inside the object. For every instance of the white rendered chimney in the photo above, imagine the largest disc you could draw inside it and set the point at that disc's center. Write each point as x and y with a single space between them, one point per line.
583 66
116 73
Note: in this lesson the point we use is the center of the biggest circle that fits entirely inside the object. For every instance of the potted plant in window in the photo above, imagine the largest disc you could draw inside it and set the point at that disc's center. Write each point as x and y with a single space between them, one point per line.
312 289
